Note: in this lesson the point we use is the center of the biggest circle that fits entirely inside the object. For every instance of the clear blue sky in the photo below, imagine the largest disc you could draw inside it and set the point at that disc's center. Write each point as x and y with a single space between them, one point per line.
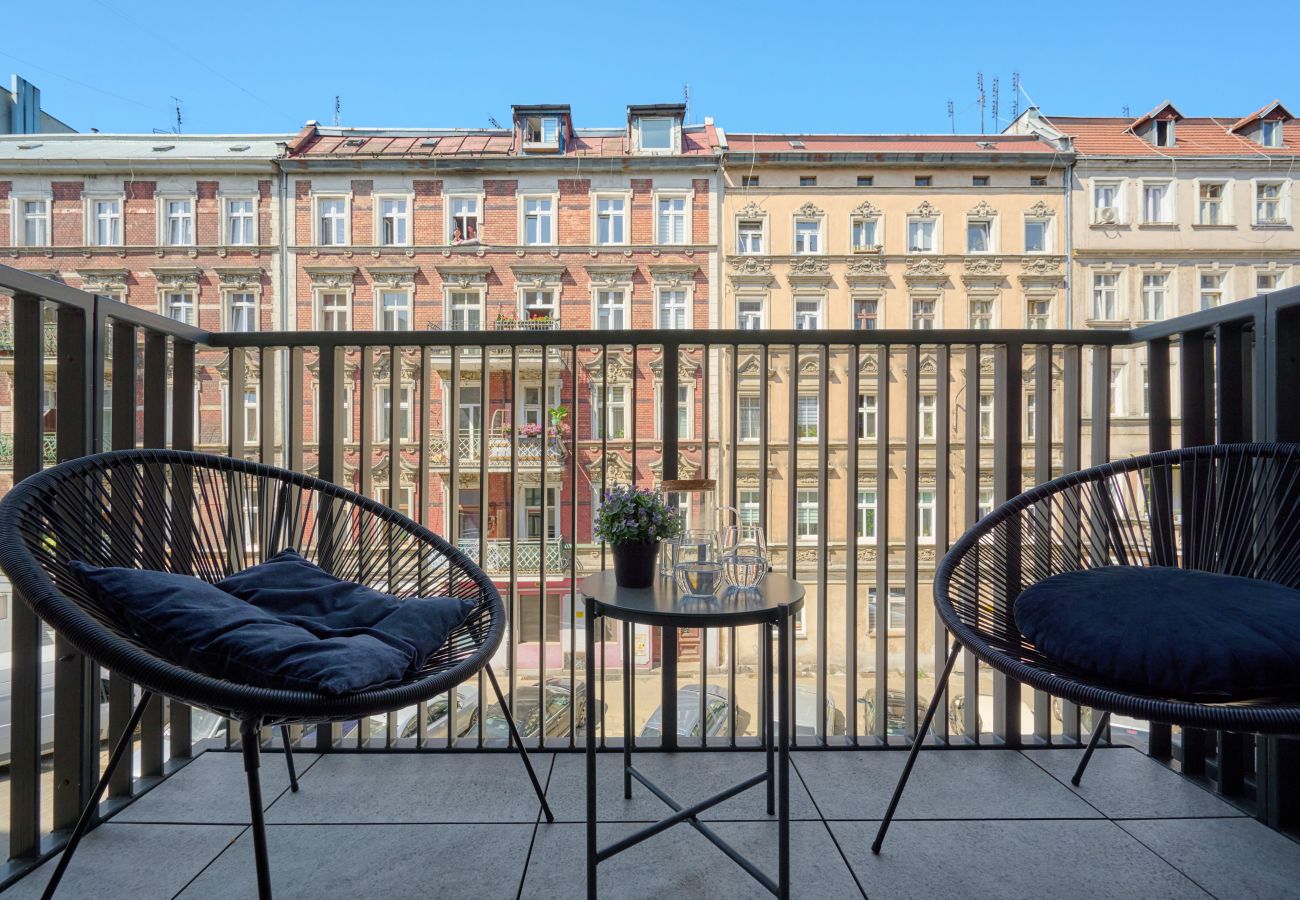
271 65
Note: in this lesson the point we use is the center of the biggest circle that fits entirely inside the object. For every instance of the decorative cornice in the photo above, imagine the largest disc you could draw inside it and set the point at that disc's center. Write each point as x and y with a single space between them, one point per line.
752 210
101 281
982 265
465 276
674 276
923 268
240 279
983 210
178 278
610 276
751 265
810 267
810 210
926 210
538 277
1042 265
393 277
866 269
332 277
866 209
1040 210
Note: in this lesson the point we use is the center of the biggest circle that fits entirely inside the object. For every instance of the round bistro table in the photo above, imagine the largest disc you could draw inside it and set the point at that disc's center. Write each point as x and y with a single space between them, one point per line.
773 604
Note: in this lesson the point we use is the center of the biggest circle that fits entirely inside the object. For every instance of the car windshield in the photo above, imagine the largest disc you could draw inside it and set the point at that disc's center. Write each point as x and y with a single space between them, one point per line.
688 716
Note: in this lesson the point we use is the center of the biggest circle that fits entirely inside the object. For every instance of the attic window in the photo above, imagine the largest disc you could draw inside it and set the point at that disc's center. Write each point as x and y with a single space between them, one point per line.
162 148
1164 133
355 142
238 148
796 145
429 143
986 145
656 133
28 146
542 131
1270 133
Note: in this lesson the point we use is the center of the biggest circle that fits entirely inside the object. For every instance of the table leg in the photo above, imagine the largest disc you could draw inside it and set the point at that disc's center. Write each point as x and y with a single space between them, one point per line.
627 710
766 705
591 752
783 751
668 731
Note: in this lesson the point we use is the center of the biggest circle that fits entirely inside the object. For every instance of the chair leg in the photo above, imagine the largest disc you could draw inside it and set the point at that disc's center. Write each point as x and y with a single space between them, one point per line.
288 757
523 751
916 746
249 740
1097 732
88 811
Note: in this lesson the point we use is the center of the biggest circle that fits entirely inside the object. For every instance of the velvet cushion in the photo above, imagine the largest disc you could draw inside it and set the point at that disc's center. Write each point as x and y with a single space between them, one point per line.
199 626
301 592
1176 633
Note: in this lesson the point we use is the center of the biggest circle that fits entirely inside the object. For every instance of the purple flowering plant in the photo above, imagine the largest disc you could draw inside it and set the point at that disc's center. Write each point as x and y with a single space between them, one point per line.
630 515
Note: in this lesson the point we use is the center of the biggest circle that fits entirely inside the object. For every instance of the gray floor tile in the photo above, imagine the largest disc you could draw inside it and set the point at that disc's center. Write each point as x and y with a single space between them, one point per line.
414 787
686 777
1125 783
945 784
1046 860
1238 858
390 861
132 862
680 862
214 789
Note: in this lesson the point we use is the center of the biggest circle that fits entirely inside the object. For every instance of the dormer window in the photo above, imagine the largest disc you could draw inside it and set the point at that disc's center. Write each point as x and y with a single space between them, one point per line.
542 131
657 133
1164 133
1270 133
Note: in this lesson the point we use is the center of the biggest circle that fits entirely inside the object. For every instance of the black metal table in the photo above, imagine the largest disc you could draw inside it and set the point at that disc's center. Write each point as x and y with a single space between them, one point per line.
772 604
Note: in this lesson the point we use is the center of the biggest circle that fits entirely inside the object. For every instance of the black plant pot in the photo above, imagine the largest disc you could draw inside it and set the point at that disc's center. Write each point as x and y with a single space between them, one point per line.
635 563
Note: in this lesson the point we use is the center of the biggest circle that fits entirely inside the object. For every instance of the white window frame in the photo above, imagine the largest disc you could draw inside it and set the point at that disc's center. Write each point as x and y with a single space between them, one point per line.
318 305
1035 319
927 416
228 307
1283 202
405 218
990 223
1118 407
252 413
20 219
807 432
809 312
1270 132
925 516
753 405
984 412
1218 289
93 219
867 500
878 231
686 307
1148 294
602 414
317 223
877 320
686 198
549 505
1168 212
405 409
454 304
1120 206
1279 274
227 220
192 305
545 122
818 236
1048 237
747 247
607 301
936 235
749 505
449 204
756 321
674 135
896 599
621 215
806 499
1225 202
548 216
530 302
914 316
975 301
187 220
1117 291
867 423
685 410
407 308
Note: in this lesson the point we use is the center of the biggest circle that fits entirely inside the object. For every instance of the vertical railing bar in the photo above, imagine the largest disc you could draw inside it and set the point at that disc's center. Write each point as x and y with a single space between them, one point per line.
854 542
1071 461
485 416
668 431
155 435
733 412
330 453
423 501
822 729
515 420
604 560
911 544
396 425
942 438
1197 429
573 549
971 718
1160 736
451 421
1042 474
183 416
1008 387
792 484
543 464
883 362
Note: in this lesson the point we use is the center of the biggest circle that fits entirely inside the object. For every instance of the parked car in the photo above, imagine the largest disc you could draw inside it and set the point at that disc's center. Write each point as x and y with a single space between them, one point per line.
805 712
717 714
435 717
47 699
896 724
534 718
1122 729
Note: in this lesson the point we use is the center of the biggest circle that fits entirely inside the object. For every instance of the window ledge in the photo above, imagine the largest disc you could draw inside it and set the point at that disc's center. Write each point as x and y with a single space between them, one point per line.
1267 226
1210 226
1106 323
1159 226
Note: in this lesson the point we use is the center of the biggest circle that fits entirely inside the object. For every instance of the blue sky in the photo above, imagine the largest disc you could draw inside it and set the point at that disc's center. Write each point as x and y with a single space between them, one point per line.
269 66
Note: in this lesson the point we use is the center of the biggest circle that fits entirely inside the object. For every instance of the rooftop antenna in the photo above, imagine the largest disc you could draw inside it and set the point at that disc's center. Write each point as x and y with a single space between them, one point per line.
338 106
178 114
1127 114
686 101
1015 96
492 120
979 82
995 104
952 119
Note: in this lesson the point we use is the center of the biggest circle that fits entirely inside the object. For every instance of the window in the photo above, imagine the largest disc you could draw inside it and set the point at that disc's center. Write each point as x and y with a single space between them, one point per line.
1038 312
179 305
534 515
866 313
332 221
808 236
1105 296
240 222
1210 206
979 236
865 234
807 181
897 612
868 417
979 181
1211 289
807 314
981 313
672 308
923 181
920 235
394 217
1270 133
464 220
865 180
749 417
656 133
806 420
672 220
749 181
609 422
806 515
543 130
1268 203
1031 414
178 222
469 414
986 417
1164 133
1157 203
251 418
748 501
465 311
335 311
1146 390
539 214
395 310
1154 290
1038 181
925 417
984 502
684 409
866 516
611 220
923 313
384 413
611 309
749 236
531 411
925 515
35 223
241 311
1106 202
1117 391
106 223
749 313
403 502
539 306
1036 235
1267 281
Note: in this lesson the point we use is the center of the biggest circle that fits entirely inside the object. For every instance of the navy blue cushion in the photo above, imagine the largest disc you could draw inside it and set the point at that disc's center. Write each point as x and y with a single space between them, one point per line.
301 592
199 626
1177 633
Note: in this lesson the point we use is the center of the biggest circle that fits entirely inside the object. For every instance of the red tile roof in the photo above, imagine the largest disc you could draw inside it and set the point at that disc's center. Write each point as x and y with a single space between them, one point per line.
1204 136
887 143
1276 105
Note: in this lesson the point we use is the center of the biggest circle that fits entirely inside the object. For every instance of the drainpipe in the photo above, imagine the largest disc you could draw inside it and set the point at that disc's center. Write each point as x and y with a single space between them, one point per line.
282 290
1069 245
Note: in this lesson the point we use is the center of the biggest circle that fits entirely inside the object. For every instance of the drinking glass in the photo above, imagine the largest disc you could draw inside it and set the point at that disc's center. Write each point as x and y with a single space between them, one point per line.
743 540
700 578
743 571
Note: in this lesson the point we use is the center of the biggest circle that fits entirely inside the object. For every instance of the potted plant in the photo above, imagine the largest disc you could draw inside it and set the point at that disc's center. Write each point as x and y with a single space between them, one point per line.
633 521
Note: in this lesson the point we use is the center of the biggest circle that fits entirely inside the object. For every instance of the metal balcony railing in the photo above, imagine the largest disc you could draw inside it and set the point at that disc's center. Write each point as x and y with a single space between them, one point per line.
861 521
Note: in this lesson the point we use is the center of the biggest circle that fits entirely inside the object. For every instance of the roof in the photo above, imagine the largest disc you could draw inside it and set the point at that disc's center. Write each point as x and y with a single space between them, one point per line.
1274 110
151 147
887 143
1198 136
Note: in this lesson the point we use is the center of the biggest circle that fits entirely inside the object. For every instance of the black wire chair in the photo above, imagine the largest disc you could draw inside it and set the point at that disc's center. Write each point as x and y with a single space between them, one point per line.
1232 509
211 516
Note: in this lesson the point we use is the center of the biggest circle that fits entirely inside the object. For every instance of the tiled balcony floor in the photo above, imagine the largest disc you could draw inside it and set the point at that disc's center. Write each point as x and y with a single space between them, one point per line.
989 823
